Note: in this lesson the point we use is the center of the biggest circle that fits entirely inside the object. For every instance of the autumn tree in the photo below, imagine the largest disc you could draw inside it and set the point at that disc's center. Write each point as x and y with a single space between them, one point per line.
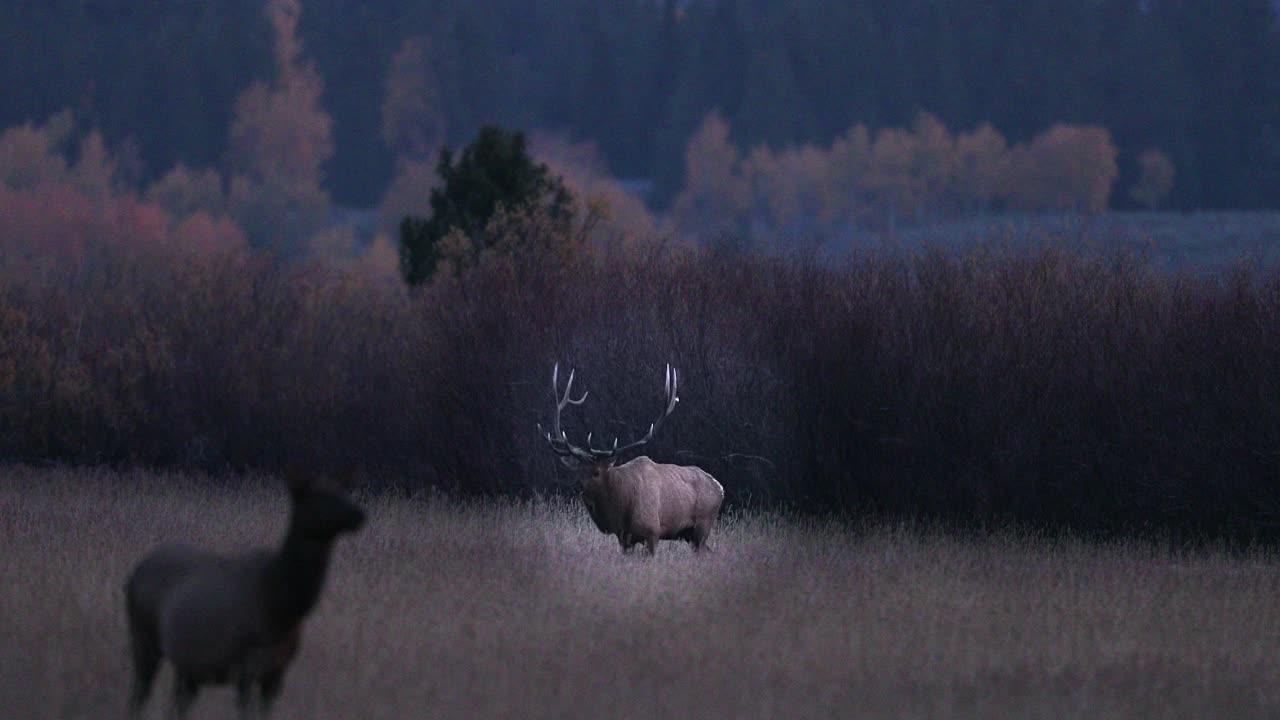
891 178
184 191
63 201
904 174
31 155
934 162
979 161
1155 179
414 128
912 172
790 190
35 156
618 216
716 195
1067 167
95 172
849 158
280 139
493 173
414 124
1197 79
415 179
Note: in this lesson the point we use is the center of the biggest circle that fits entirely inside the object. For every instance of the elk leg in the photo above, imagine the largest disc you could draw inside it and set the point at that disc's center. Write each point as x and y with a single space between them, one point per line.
184 694
700 539
272 682
244 694
146 661
651 544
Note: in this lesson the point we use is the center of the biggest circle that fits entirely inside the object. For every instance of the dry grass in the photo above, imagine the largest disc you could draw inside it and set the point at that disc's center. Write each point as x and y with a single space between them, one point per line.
522 610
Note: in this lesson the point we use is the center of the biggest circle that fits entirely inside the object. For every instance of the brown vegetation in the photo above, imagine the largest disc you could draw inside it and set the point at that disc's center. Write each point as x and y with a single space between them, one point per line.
1155 179
1044 386
1038 386
898 175
278 142
503 609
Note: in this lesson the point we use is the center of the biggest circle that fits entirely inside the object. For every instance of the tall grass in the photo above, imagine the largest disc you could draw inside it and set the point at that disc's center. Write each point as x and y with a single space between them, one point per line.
1038 387
502 608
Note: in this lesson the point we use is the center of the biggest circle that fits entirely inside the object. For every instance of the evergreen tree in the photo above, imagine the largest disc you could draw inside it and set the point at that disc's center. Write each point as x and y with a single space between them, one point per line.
493 172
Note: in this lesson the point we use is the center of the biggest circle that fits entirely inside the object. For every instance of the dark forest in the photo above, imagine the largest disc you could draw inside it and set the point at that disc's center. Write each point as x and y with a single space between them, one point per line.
1198 80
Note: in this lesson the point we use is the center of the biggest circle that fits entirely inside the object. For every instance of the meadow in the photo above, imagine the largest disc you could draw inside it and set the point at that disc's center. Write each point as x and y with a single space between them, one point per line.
504 608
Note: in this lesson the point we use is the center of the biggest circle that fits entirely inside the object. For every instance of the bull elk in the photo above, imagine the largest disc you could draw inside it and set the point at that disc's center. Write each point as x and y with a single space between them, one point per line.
639 501
235 619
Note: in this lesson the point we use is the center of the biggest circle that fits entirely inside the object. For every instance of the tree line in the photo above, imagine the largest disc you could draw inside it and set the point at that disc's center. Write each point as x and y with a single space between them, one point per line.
1043 388
913 174
270 187
1196 80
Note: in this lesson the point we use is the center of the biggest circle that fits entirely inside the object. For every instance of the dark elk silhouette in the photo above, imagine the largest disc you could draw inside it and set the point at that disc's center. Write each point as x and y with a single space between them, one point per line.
235 619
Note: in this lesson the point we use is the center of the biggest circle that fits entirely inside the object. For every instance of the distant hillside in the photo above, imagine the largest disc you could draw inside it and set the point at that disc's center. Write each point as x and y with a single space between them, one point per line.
1198 80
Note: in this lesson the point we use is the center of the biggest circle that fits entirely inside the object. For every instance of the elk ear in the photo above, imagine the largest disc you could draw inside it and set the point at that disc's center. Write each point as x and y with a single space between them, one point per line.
299 482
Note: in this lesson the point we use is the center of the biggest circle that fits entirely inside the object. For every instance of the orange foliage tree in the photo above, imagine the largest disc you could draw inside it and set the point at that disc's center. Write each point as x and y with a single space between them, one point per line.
414 125
280 138
903 174
1155 179
31 155
934 165
1064 168
55 215
414 128
979 162
847 200
183 191
790 191
617 218
716 195
889 178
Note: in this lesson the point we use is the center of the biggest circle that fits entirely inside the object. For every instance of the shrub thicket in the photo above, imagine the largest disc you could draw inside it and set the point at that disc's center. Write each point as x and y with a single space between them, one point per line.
1044 387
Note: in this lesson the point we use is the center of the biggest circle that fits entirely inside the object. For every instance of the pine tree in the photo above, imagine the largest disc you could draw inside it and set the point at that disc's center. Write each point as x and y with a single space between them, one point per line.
495 171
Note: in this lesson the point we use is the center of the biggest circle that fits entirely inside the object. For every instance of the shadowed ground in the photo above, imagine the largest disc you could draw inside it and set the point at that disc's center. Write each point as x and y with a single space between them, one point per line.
440 609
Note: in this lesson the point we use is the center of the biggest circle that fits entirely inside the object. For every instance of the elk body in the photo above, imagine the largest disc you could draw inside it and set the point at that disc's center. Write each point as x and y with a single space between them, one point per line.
640 501
234 619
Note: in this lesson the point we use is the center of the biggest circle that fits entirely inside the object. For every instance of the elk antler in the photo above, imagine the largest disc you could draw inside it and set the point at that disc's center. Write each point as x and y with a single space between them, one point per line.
556 438
670 386
559 441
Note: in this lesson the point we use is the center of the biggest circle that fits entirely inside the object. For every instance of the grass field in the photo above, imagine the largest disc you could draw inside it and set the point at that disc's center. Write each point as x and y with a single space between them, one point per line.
505 609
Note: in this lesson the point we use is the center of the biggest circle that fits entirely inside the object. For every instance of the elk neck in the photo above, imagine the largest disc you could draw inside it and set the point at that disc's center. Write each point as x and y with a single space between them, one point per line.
297 574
